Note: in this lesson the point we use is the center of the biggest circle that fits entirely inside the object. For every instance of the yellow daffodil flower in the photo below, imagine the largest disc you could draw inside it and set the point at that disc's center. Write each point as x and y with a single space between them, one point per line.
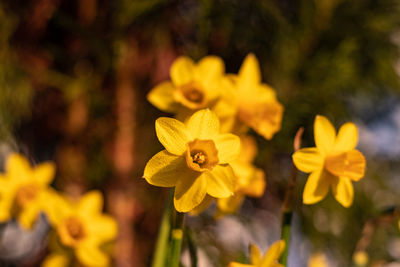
361 258
334 162
270 258
24 190
192 86
81 228
256 102
317 260
195 160
250 180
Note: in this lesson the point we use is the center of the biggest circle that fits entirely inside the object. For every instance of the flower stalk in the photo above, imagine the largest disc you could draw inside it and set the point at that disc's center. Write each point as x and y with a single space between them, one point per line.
161 250
176 239
287 206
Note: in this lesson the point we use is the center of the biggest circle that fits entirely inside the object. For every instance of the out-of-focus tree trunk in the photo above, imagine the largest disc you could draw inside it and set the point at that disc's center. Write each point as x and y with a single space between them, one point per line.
121 196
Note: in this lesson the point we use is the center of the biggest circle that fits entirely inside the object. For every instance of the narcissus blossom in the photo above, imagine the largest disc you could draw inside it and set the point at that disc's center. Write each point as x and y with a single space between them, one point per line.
192 86
80 229
256 102
270 258
195 160
317 260
24 190
333 163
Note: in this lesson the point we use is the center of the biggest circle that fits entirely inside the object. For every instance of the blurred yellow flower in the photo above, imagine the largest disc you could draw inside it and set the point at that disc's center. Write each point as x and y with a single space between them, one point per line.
195 160
250 180
317 260
81 228
334 162
256 102
361 258
270 258
24 190
192 86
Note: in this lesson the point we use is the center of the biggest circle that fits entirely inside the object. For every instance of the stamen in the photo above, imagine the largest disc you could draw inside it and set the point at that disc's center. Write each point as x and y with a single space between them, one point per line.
26 194
194 95
199 158
74 228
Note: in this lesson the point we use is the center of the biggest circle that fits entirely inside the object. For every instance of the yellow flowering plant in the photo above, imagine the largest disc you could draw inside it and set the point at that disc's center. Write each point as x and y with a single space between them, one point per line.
24 190
192 86
333 163
195 160
80 229
269 259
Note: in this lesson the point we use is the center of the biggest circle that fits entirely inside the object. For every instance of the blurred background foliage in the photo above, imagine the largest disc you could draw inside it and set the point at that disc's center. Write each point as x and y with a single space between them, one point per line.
73 81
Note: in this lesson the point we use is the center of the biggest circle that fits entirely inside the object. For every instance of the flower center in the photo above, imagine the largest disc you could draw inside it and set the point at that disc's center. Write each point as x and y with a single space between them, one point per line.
26 194
71 231
191 95
194 95
199 158
350 164
201 155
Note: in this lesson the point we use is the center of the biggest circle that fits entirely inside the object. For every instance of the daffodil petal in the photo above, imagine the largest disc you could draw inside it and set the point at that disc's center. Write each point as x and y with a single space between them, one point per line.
308 159
164 169
207 201
255 254
203 124
228 146
273 253
249 73
91 203
248 149
44 173
189 192
209 71
257 184
162 97
229 205
172 134
324 134
317 186
343 191
56 206
347 137
18 167
221 181
103 228
182 71
6 203
89 254
29 214
56 260
265 117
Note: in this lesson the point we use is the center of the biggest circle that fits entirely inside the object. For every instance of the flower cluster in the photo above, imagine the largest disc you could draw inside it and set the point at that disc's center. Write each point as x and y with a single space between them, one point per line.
78 228
213 112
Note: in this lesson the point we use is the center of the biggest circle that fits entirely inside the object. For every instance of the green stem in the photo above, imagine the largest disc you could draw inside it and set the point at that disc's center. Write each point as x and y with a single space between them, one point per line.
160 255
192 248
176 239
286 225
288 202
